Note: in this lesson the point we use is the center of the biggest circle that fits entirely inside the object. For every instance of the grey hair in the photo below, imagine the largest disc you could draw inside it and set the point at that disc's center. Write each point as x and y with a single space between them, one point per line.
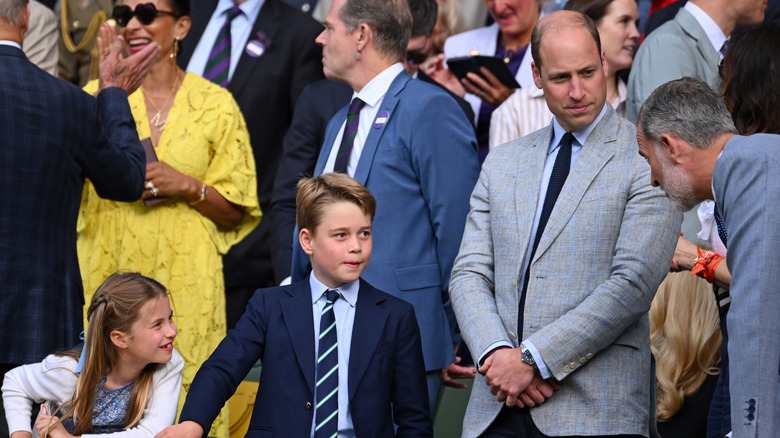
12 11
688 109
390 22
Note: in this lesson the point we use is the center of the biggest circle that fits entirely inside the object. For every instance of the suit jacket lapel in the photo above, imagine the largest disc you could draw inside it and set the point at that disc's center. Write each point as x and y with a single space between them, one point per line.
598 149
366 332
694 30
375 134
298 307
330 137
267 23
201 14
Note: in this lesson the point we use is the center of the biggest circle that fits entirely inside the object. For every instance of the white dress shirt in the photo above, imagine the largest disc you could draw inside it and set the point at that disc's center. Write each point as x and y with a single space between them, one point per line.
344 309
372 94
714 32
240 29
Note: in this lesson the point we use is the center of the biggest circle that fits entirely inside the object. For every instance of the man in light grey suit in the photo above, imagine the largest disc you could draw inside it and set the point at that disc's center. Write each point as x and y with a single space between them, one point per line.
689 45
586 279
687 135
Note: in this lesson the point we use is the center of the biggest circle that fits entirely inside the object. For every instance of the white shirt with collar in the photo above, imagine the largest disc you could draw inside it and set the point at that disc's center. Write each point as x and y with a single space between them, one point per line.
344 309
580 136
10 43
711 29
372 94
240 30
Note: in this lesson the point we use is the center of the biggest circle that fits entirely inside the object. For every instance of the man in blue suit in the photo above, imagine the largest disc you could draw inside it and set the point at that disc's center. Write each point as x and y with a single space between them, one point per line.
412 146
688 137
53 136
339 356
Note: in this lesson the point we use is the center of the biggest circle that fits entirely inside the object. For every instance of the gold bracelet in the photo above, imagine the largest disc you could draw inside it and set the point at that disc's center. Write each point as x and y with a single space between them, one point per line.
203 192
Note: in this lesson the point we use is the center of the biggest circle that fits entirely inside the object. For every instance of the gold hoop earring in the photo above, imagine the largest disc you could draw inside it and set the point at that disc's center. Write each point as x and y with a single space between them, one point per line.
176 48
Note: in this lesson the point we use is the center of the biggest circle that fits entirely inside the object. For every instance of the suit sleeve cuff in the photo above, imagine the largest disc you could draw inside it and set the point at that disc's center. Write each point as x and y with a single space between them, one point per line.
543 370
492 347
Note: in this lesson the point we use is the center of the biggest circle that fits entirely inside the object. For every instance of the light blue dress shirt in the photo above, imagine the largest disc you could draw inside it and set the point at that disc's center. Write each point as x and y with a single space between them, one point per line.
344 309
240 29
580 136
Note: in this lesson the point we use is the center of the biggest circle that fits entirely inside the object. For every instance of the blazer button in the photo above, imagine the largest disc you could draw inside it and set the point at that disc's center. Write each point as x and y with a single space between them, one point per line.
583 360
588 356
514 283
566 369
308 406
573 365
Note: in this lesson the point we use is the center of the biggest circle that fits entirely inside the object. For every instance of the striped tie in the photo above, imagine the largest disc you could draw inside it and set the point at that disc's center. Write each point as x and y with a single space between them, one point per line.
348 139
218 64
327 405
721 228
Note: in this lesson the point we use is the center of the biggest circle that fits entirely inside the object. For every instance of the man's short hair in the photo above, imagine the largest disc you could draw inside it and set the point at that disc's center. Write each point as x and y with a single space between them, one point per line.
315 194
12 12
573 19
423 17
390 22
688 109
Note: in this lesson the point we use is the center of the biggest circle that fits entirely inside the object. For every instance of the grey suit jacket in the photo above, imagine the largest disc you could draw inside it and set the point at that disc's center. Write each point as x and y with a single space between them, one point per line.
676 49
748 195
606 248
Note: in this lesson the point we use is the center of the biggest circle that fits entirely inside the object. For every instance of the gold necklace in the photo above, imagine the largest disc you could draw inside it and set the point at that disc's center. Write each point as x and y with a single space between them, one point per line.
157 121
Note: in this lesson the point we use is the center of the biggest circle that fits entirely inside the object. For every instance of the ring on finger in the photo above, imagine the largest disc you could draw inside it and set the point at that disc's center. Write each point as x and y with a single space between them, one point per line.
482 94
149 185
154 191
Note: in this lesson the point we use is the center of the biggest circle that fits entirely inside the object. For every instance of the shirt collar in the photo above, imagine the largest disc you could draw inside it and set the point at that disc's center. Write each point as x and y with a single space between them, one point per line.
581 135
250 8
377 87
711 29
349 291
10 43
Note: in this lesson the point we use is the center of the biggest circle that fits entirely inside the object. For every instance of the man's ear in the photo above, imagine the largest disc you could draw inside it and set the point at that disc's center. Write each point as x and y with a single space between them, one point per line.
537 75
362 36
305 236
604 63
675 148
118 338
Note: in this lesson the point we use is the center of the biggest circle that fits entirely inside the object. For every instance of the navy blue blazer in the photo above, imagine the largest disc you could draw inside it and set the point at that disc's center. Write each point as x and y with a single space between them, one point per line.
387 379
421 166
51 139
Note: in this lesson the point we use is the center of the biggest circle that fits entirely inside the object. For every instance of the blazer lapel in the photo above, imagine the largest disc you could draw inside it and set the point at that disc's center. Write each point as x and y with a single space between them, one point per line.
366 331
375 134
201 14
298 307
265 29
594 155
330 138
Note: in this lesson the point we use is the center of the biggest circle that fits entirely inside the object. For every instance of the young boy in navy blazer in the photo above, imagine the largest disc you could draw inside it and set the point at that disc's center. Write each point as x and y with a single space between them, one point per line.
340 358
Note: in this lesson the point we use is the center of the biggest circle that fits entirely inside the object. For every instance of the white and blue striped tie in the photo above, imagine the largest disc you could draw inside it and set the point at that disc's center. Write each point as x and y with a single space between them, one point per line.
326 425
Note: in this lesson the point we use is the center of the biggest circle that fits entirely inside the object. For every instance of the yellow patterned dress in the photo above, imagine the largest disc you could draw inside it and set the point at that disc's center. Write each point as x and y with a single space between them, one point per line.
206 138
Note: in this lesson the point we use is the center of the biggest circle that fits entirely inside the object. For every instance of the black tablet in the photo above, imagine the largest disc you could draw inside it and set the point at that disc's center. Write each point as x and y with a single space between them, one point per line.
464 64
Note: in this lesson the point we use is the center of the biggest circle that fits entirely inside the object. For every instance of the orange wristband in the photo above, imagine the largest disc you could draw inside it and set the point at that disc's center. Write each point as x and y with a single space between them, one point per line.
705 264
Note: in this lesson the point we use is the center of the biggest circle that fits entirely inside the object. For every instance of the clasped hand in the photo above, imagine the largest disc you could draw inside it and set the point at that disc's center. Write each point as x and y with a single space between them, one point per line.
513 381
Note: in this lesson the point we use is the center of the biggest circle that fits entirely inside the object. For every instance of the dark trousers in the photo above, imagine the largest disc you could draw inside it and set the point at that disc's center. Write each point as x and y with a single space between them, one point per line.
517 423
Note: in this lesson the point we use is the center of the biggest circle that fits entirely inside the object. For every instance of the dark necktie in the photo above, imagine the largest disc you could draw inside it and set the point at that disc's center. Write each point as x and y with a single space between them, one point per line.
557 178
218 64
348 139
721 228
327 421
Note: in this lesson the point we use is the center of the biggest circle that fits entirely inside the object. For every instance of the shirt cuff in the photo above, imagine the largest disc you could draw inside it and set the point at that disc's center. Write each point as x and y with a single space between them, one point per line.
490 348
543 370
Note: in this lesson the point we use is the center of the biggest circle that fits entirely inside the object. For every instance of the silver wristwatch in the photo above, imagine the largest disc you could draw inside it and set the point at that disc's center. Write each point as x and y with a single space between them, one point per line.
528 357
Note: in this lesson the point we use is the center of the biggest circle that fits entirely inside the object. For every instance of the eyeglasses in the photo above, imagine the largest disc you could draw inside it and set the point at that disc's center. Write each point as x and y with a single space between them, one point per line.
145 12
416 57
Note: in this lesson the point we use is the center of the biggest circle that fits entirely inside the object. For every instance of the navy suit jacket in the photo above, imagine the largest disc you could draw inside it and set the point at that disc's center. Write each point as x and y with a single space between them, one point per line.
421 166
385 366
266 89
52 138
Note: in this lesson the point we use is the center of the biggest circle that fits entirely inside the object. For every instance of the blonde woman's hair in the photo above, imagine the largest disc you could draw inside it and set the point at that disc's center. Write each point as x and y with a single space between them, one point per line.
685 339
447 23
116 305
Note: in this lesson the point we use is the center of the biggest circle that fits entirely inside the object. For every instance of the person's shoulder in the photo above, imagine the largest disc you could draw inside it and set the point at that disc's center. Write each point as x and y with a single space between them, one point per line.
470 36
206 92
756 146
390 302
58 362
303 22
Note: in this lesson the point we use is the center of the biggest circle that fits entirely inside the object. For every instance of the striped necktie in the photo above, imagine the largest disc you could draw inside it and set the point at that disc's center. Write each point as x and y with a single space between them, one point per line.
327 420
348 139
218 64
721 227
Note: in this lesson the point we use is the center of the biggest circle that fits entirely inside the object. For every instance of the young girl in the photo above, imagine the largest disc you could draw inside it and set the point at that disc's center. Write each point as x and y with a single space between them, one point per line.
126 378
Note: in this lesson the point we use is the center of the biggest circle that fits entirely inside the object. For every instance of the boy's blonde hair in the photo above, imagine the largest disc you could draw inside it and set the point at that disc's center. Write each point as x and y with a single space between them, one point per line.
314 194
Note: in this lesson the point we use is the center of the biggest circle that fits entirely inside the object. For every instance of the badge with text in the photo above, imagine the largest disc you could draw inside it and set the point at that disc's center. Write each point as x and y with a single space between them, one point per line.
256 47
381 119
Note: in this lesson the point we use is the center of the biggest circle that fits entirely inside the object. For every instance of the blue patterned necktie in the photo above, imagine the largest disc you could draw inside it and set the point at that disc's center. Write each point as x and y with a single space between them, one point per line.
348 139
327 421
721 227
559 174
218 64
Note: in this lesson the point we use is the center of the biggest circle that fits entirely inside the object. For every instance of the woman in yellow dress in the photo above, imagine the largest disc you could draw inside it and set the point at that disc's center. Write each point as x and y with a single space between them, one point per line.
204 182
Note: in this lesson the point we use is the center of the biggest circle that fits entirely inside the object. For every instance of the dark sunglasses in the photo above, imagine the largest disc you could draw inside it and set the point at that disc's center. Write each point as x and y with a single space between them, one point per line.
145 12
416 57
